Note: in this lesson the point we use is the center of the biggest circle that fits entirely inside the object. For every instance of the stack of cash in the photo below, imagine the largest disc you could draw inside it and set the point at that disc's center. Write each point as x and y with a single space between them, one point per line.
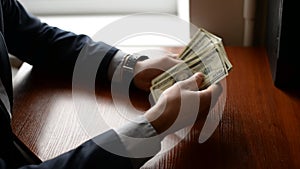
205 53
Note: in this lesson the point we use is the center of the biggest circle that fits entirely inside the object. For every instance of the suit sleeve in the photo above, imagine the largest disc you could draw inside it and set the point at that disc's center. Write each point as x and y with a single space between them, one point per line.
42 45
88 155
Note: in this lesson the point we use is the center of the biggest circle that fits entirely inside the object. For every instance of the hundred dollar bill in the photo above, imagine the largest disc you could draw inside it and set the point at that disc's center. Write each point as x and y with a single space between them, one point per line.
194 40
205 53
175 69
197 46
194 58
211 66
200 41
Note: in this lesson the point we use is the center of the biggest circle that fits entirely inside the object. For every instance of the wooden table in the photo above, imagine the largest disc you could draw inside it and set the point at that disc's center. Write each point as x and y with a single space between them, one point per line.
260 127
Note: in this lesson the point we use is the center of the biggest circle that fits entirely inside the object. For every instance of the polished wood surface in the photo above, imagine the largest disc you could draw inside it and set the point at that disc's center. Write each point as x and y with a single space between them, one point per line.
260 126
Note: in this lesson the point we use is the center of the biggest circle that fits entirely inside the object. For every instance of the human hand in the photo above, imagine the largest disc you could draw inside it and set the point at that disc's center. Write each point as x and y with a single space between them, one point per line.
183 104
148 69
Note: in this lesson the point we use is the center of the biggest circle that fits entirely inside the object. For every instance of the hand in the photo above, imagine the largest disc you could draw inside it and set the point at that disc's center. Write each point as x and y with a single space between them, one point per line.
148 69
183 103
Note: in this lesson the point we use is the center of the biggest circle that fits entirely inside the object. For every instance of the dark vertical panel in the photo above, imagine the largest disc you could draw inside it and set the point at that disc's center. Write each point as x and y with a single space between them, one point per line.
282 43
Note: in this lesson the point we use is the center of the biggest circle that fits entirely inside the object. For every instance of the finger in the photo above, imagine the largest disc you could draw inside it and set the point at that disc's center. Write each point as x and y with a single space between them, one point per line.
193 83
174 58
173 55
209 97
156 66
167 62
216 89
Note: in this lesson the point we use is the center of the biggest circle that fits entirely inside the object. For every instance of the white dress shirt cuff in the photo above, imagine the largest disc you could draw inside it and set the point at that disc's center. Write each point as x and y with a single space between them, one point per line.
114 65
140 138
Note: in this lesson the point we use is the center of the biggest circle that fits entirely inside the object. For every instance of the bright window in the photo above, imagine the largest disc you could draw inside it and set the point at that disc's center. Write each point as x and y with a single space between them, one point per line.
96 14
49 7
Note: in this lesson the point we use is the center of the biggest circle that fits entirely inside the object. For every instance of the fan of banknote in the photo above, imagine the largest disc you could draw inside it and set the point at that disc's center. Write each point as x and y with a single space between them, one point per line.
205 53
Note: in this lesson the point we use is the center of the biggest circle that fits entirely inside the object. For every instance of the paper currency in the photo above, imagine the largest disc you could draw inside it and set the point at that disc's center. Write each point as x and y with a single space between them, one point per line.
205 53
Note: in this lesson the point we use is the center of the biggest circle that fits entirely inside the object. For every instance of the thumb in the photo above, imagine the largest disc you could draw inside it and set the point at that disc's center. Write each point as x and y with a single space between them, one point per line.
194 82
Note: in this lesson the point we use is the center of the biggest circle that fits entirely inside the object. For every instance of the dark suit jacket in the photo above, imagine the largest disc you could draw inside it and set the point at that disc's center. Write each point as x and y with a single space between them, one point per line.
41 45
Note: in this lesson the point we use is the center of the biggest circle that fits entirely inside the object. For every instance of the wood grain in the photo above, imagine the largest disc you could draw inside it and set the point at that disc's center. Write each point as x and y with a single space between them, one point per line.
260 126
